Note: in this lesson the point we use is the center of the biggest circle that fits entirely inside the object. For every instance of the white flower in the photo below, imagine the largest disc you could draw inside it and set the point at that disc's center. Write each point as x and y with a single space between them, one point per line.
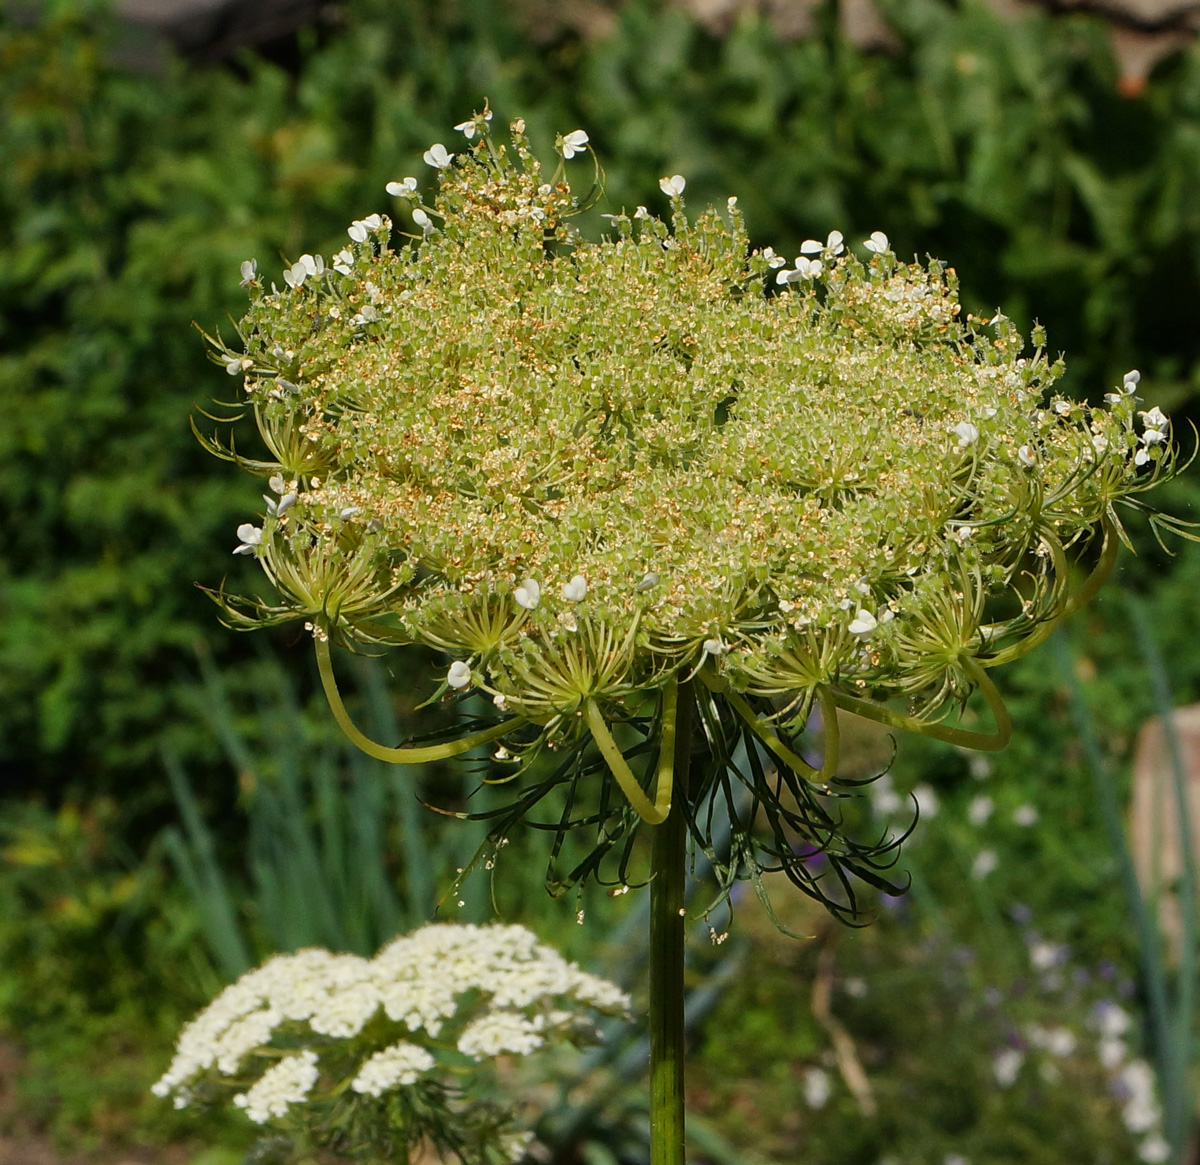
927 801
288 1082
575 590
405 189
437 157
1141 1112
817 1088
574 143
249 271
1113 1052
423 221
672 187
1154 1149
979 810
648 583
400 1064
1006 1065
281 507
1130 381
985 862
1026 456
885 801
528 594
500 1031
878 242
501 701
713 647
966 433
343 261
295 275
459 675
863 623
1044 956
641 212
1156 423
1113 1020
1062 407
834 243
1060 1041
1141 457
362 227
1025 815
804 269
773 260
237 364
251 537
365 315
466 128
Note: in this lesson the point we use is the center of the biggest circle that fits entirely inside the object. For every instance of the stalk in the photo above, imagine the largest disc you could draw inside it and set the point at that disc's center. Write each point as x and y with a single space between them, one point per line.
668 873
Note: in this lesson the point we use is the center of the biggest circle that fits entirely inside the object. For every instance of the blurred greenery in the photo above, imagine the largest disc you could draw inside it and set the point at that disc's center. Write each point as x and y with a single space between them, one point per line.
126 205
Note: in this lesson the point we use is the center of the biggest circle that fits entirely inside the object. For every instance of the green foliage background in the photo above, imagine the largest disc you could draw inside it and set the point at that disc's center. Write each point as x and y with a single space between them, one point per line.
128 201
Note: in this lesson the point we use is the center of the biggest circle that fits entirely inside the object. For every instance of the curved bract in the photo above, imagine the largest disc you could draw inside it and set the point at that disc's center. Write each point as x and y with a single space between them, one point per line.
590 472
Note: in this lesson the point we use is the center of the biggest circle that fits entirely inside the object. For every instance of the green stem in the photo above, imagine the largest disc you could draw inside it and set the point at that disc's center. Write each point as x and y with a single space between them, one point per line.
984 741
652 812
667 921
398 756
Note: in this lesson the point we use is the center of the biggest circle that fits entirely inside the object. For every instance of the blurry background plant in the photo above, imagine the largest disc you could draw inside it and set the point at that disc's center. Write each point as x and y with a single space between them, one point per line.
128 202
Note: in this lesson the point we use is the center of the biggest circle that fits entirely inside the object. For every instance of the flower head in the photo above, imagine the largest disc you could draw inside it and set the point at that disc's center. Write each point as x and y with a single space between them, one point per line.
602 471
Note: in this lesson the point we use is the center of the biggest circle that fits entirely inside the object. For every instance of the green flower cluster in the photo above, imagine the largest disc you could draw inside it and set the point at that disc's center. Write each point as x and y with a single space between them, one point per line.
588 471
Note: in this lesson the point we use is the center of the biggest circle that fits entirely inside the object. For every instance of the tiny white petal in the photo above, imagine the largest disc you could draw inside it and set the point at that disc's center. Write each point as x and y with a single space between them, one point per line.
423 221
437 157
714 647
249 534
575 590
863 623
249 271
1131 379
459 675
573 143
466 128
672 187
878 242
811 247
1026 455
528 594
285 503
966 433
835 242
649 582
357 230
